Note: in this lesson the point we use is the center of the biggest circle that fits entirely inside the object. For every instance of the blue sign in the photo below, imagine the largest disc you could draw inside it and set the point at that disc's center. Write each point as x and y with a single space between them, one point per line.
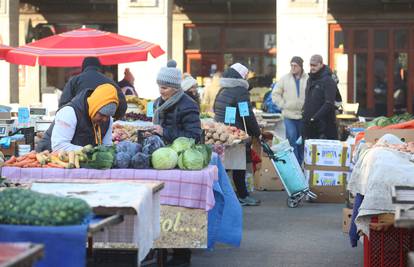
23 115
230 116
150 109
243 109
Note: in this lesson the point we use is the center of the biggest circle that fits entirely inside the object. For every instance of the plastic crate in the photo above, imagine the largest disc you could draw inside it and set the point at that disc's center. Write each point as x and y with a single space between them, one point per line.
388 248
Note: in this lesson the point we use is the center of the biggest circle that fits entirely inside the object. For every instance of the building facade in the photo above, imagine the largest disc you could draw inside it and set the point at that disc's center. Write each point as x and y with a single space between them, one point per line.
369 43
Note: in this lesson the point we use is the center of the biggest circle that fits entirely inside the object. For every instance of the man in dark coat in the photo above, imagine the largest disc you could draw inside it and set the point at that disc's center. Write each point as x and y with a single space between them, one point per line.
319 108
91 77
234 89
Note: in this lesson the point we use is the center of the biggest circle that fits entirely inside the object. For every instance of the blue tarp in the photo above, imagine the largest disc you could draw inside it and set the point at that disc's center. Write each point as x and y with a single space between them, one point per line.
65 246
225 219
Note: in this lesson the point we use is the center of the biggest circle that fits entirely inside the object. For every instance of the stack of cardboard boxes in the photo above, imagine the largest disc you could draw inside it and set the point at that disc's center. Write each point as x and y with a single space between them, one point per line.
327 168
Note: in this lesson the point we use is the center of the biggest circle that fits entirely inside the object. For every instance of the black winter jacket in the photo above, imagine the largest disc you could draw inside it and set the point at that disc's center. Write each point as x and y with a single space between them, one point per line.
319 104
84 134
180 120
89 78
234 91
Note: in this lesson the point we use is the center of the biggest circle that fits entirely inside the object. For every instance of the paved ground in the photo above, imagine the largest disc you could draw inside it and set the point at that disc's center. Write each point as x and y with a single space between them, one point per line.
275 235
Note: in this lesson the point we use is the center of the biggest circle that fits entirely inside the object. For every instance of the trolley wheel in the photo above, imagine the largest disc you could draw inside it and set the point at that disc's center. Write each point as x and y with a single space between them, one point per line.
292 202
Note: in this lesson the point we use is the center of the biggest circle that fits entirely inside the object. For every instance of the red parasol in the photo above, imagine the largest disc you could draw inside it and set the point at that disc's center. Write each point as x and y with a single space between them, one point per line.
3 50
70 48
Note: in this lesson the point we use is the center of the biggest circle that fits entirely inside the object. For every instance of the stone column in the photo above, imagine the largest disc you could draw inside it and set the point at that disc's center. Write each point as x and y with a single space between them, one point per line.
9 35
302 30
149 20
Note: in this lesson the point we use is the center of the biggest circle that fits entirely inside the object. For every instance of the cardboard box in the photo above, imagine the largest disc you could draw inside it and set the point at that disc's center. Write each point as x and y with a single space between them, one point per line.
346 219
372 136
235 157
329 194
327 153
326 178
266 178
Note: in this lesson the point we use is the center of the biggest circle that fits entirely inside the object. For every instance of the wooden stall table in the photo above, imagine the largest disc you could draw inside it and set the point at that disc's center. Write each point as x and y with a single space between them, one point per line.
116 204
186 199
19 254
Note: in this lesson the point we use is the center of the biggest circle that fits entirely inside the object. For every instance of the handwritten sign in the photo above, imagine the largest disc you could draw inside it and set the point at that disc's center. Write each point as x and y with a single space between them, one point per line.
230 116
23 115
150 109
243 109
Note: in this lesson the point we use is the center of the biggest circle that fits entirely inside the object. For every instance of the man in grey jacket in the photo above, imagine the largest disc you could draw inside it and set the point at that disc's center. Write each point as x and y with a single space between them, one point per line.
289 96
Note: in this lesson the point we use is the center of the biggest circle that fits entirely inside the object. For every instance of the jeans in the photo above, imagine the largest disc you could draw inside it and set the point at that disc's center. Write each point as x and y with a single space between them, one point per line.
293 132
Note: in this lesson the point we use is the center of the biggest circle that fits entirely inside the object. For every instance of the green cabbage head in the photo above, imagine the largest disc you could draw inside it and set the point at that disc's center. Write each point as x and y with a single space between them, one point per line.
164 158
182 143
191 159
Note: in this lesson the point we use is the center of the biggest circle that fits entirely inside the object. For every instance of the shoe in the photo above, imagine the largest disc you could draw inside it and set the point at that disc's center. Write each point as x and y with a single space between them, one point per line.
249 201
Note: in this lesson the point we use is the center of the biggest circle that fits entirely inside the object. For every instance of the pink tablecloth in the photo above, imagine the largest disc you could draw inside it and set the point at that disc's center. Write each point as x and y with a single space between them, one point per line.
190 189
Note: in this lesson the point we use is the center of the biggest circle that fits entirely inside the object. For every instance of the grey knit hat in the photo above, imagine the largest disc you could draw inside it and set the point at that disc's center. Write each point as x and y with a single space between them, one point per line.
297 60
170 76
108 110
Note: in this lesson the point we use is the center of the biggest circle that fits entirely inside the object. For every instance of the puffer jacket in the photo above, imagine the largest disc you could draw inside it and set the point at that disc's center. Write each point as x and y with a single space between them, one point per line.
84 134
232 92
286 97
181 120
319 105
90 77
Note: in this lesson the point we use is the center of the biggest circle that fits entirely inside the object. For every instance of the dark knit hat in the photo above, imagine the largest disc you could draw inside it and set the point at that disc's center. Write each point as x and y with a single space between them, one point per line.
297 60
91 61
170 76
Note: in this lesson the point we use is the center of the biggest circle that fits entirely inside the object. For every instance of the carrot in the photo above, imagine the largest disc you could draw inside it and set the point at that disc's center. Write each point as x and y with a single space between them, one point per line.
402 125
33 165
23 162
31 155
53 165
11 160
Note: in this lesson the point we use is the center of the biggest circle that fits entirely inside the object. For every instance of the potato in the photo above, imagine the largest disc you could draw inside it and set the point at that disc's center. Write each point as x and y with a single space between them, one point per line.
216 136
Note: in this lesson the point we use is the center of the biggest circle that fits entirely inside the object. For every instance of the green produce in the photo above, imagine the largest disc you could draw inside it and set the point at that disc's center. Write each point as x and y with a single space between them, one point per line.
182 143
164 158
384 121
101 157
191 159
206 151
26 207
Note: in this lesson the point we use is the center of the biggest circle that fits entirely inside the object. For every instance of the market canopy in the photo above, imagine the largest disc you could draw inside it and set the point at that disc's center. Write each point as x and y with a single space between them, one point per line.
70 48
3 50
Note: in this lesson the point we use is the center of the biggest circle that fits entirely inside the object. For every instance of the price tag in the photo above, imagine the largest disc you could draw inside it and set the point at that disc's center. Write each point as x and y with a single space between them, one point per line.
243 109
150 109
230 116
23 115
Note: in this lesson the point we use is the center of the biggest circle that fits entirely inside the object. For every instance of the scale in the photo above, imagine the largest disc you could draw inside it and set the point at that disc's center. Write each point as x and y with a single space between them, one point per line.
40 122
6 127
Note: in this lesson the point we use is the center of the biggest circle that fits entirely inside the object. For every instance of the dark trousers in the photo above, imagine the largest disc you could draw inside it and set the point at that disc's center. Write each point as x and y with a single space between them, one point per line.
239 179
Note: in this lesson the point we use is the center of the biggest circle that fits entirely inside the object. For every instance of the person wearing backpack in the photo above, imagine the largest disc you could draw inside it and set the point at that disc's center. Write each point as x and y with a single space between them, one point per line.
289 96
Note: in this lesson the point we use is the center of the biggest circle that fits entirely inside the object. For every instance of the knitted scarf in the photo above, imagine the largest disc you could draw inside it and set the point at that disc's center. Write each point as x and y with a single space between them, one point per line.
159 113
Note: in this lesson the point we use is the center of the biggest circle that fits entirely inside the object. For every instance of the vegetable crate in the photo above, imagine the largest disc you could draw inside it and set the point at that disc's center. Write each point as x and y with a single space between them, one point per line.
388 248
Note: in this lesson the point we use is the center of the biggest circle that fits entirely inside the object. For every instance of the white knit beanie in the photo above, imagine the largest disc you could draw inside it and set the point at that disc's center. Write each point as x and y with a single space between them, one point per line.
241 69
188 82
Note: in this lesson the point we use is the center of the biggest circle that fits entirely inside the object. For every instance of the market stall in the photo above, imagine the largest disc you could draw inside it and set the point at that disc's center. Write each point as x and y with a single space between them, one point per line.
132 207
381 164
